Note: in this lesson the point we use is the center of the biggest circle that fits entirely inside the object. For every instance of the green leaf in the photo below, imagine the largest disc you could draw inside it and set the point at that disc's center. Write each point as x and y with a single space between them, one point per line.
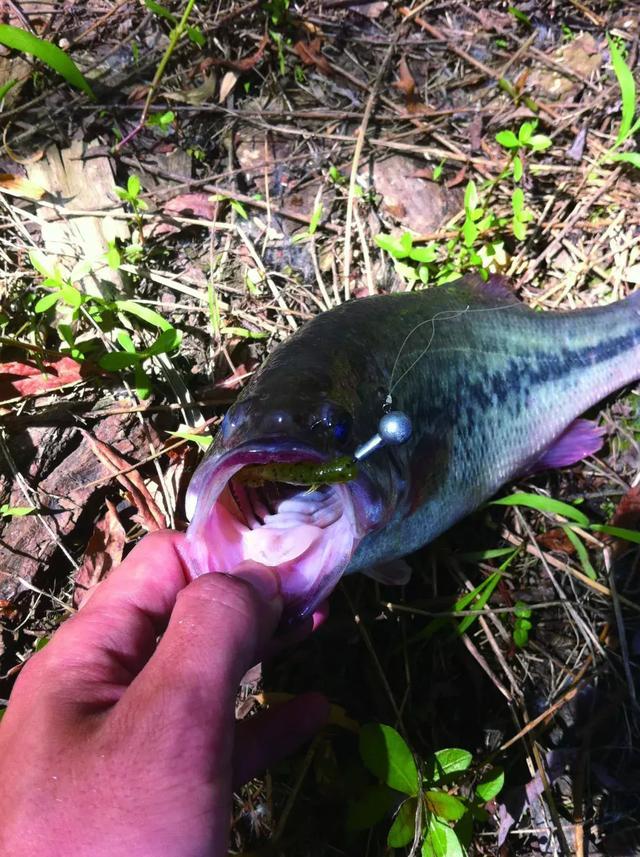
445 805
617 532
540 142
204 441
15 511
441 841
387 756
133 186
125 341
244 333
142 382
508 139
7 87
115 361
46 52
491 784
627 86
470 197
481 596
632 158
520 636
469 232
404 824
581 551
47 301
197 36
521 610
525 132
519 16
480 556
315 219
143 312
517 168
517 200
446 762
519 229
39 263
113 257
70 295
239 208
161 11
424 254
397 246
167 341
543 504
369 808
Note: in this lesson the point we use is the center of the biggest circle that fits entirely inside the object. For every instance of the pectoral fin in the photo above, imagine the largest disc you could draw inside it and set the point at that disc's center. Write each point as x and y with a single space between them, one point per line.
581 438
396 572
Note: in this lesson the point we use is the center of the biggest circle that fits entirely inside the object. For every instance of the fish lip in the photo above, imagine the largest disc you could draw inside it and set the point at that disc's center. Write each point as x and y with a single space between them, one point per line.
213 474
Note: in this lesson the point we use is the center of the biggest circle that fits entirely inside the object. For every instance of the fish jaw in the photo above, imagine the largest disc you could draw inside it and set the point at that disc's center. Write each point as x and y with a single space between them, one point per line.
307 538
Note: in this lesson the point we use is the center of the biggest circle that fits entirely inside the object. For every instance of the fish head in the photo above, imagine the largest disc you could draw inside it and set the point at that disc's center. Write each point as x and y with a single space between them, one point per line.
307 534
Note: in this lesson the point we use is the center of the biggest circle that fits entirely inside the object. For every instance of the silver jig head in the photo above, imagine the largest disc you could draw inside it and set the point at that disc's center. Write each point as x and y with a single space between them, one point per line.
394 428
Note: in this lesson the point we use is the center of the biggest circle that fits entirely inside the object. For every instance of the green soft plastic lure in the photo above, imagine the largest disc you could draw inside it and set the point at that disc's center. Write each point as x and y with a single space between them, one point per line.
342 469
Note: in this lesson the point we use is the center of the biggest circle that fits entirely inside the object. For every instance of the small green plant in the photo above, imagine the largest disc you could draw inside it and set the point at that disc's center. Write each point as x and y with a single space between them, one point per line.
576 521
162 121
278 12
629 122
131 195
427 809
130 358
7 511
522 624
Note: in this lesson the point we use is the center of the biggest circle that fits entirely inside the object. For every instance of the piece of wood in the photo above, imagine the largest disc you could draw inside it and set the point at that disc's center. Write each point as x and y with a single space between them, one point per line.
76 181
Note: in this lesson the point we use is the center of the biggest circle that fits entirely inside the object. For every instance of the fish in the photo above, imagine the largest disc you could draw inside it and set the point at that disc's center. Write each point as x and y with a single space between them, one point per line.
493 389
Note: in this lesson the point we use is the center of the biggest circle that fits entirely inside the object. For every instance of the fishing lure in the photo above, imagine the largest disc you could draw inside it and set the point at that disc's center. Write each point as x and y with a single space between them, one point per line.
342 469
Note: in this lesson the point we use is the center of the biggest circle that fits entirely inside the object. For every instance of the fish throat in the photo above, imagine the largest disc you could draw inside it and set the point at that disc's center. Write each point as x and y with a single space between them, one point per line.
272 510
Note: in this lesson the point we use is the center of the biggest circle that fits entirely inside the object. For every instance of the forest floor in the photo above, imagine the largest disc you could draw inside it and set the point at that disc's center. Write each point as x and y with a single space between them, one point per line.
269 170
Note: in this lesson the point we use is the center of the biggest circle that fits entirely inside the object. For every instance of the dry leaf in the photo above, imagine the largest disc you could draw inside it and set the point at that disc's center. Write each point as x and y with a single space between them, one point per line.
149 515
29 379
103 554
405 82
309 53
556 540
20 186
458 178
249 62
227 84
627 513
197 95
192 205
370 10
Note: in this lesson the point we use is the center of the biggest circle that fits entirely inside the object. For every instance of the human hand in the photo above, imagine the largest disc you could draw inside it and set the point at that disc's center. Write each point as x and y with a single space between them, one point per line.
113 744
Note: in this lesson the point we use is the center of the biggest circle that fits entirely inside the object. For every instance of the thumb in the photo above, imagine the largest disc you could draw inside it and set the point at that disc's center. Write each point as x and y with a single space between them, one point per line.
219 627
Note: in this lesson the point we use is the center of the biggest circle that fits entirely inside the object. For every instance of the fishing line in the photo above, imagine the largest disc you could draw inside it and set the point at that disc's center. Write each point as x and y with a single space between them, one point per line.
443 315
395 427
448 315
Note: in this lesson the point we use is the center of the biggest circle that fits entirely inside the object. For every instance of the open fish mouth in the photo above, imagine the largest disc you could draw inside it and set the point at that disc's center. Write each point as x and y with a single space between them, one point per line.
308 534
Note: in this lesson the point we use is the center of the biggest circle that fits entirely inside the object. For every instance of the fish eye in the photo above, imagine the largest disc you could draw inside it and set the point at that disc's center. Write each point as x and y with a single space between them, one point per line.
232 420
335 421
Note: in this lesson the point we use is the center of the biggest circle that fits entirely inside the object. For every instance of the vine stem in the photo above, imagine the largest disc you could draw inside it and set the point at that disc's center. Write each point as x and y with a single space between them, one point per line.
174 37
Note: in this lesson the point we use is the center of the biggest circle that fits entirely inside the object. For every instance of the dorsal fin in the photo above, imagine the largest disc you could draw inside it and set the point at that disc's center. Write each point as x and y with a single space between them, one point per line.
495 290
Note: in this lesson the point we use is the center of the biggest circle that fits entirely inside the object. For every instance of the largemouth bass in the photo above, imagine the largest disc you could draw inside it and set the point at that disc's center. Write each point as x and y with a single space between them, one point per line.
493 390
